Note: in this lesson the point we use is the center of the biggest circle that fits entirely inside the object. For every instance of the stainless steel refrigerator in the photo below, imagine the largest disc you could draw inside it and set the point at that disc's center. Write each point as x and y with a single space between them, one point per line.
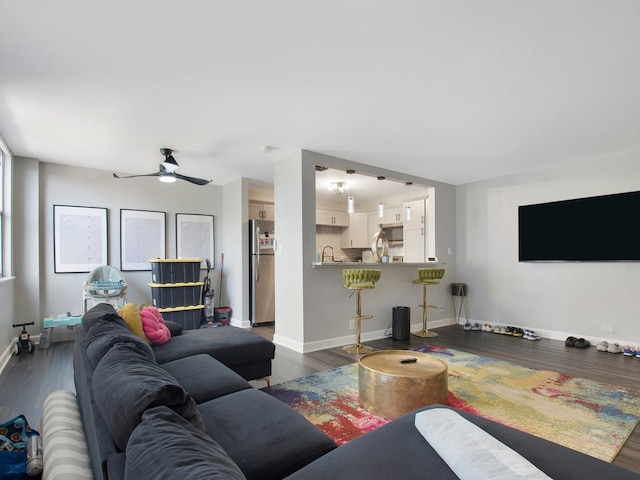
262 308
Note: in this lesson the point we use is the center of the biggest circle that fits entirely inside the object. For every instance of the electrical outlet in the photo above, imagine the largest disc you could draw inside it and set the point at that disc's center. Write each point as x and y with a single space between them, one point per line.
352 324
607 328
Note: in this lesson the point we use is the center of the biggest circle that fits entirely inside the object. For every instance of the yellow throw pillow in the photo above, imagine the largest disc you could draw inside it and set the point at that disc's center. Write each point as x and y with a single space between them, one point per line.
131 314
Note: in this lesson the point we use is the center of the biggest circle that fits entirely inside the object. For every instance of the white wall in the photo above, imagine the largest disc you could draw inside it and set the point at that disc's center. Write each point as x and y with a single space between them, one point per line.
63 185
26 240
235 281
291 237
561 299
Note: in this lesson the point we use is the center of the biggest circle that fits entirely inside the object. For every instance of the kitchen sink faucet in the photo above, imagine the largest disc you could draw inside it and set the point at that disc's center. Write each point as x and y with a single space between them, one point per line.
328 246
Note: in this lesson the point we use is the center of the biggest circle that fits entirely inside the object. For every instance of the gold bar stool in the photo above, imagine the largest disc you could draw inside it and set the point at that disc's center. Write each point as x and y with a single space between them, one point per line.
358 279
426 277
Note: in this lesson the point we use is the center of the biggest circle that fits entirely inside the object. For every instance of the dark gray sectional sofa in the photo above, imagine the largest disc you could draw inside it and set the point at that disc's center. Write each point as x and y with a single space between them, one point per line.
137 401
186 411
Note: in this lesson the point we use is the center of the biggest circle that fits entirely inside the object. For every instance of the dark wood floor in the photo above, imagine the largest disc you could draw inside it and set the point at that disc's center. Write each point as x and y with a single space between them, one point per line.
28 379
543 354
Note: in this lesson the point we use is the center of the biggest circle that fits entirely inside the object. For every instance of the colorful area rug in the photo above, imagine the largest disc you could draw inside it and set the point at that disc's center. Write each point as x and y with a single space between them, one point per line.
591 417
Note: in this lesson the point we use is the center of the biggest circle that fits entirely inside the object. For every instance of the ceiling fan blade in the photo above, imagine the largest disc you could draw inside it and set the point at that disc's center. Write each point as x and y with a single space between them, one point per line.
157 174
197 181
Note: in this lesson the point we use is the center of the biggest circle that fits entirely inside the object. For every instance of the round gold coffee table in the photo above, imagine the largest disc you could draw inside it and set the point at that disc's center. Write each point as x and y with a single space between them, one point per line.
394 382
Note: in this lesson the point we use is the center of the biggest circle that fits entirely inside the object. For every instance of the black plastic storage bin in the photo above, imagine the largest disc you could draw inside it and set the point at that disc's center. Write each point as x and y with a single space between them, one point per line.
189 317
168 295
172 270
401 323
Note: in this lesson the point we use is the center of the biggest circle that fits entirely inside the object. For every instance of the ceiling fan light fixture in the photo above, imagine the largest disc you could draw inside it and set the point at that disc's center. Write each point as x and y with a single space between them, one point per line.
167 178
167 171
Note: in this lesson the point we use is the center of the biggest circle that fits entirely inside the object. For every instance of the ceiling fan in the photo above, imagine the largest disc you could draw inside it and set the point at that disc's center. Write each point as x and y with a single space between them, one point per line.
167 172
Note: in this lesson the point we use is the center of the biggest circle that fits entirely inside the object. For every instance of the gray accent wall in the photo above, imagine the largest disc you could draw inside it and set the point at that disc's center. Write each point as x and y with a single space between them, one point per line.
312 308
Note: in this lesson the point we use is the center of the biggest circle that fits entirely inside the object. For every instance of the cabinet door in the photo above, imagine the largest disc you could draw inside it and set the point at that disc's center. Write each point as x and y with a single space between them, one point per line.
340 219
414 244
324 217
414 233
417 214
334 219
254 211
268 212
393 215
357 235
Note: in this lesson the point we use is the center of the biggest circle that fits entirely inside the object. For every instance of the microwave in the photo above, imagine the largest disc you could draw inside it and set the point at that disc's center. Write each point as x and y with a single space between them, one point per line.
394 234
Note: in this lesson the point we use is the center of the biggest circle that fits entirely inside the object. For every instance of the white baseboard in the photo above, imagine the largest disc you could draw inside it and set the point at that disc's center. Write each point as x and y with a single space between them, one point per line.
308 347
238 322
346 340
557 334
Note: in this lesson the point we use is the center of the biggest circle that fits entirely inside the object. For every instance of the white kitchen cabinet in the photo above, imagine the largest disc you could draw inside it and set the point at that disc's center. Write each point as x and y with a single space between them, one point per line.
357 234
415 247
393 215
261 211
332 218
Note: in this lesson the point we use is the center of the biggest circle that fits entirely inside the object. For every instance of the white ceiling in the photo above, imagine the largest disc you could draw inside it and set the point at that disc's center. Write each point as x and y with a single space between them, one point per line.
455 90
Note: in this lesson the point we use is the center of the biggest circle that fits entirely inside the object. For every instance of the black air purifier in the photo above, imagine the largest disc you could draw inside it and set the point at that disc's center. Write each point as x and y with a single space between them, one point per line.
401 323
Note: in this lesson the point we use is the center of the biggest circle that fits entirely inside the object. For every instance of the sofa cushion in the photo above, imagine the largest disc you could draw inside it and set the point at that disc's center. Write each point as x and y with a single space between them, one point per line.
407 456
470 451
262 435
108 331
64 447
205 378
126 382
166 446
229 345
153 326
174 328
99 441
130 313
97 312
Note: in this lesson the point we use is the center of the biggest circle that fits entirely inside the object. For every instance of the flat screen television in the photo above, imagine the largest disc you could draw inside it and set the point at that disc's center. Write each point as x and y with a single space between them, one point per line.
593 229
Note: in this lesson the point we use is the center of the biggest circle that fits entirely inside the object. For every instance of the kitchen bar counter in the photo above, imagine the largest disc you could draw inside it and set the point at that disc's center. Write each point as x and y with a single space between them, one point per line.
375 264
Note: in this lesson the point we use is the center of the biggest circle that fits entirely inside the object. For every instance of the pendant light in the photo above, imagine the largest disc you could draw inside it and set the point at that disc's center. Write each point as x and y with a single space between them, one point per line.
407 208
381 203
351 204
